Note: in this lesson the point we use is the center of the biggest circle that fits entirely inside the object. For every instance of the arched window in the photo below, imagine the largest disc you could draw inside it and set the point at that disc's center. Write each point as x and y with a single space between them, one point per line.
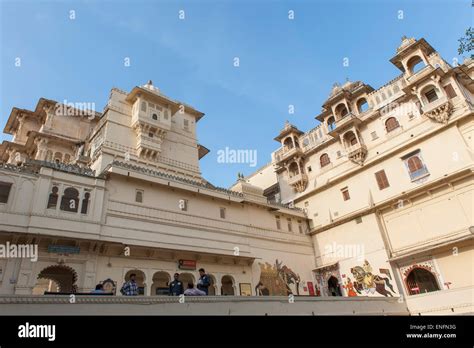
350 138
70 200
53 198
288 143
331 123
85 203
415 64
341 110
391 124
227 288
431 95
420 281
362 105
324 160
155 117
293 169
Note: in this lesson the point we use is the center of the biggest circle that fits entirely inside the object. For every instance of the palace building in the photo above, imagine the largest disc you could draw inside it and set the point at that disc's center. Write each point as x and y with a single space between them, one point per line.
375 201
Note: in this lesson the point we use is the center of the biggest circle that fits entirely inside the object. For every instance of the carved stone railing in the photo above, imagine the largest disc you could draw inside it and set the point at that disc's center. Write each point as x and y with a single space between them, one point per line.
68 168
193 305
285 153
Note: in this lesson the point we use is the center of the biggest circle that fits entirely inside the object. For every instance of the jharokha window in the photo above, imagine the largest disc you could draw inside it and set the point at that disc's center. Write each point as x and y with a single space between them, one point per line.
70 200
324 160
415 166
391 124
431 95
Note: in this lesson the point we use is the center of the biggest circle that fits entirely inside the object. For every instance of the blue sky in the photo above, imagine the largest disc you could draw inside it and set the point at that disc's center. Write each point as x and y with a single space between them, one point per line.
282 61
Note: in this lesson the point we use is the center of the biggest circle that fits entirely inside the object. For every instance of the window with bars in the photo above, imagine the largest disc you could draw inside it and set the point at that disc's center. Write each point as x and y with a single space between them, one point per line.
278 222
222 213
290 225
382 180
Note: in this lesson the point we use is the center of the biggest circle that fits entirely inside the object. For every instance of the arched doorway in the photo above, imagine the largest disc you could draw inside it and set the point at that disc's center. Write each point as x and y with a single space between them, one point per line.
334 288
212 288
187 278
227 287
63 279
160 285
420 281
140 279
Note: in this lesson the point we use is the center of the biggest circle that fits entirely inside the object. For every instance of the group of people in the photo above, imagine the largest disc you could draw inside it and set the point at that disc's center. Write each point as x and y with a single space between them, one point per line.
176 288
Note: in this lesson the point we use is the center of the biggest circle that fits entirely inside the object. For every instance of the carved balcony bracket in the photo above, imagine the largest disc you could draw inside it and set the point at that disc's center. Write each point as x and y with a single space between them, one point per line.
357 154
441 113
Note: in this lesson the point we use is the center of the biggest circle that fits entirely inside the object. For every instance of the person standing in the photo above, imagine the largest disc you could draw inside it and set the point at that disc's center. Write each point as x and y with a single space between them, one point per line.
204 281
130 288
176 286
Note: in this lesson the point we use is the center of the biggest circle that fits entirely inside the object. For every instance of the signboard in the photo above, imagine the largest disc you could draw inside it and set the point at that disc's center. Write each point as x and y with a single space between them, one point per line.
245 289
63 249
310 288
187 265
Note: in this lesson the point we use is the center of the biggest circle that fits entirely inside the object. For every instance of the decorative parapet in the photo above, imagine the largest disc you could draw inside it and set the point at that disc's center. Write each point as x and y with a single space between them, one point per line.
34 166
68 168
172 177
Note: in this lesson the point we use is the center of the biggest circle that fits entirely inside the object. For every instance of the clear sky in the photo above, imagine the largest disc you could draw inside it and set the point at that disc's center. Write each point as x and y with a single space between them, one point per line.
282 61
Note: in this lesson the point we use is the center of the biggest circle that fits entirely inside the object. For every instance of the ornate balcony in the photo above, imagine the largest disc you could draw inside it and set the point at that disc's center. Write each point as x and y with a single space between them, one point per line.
419 75
285 153
357 153
298 182
440 110
348 120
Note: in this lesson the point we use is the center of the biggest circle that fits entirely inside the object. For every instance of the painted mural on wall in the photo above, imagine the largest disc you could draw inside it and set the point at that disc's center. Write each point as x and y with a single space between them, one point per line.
367 283
279 279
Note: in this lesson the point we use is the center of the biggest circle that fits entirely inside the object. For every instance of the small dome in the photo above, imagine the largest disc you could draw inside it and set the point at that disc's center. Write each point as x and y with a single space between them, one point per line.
405 43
